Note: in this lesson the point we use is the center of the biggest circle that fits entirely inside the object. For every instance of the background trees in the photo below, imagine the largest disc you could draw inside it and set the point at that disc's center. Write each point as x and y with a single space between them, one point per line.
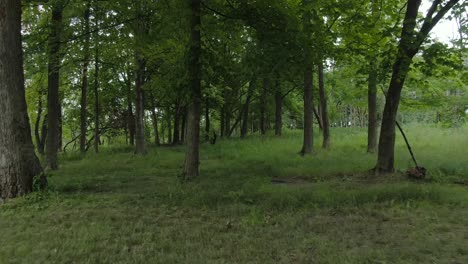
124 72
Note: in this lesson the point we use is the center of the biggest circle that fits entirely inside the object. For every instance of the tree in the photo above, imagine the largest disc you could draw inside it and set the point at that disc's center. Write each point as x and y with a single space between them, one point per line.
18 161
84 83
192 159
53 97
410 42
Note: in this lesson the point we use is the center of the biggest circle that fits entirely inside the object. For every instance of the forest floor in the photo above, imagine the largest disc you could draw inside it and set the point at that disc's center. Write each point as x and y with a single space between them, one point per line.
257 201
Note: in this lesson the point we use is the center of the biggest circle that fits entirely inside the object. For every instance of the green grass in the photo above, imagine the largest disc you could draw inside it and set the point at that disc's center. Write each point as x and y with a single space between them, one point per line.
115 207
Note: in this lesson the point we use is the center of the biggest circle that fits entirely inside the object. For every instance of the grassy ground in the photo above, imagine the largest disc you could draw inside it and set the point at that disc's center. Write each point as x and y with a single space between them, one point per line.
115 207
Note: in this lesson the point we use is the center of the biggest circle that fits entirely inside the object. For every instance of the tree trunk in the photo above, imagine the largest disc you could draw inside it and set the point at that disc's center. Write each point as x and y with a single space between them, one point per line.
53 97
130 116
278 110
154 116
84 82
372 127
140 148
266 84
245 113
96 100
308 143
207 119
176 136
406 51
141 30
18 161
183 127
192 158
324 110
37 126
221 121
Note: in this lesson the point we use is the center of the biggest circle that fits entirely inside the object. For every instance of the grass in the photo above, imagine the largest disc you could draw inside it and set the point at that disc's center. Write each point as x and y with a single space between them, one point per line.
115 207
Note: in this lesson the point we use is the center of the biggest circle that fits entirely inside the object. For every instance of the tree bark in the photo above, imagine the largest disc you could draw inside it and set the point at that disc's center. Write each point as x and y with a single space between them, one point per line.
266 84
84 80
207 119
140 148
407 48
372 127
53 97
192 158
97 139
130 116
154 116
278 110
323 109
37 125
141 31
245 111
18 161
308 143
183 127
176 136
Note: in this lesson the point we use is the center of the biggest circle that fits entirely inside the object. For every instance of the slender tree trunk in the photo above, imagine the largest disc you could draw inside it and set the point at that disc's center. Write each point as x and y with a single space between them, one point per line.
324 109
278 111
183 128
192 158
96 101
18 161
53 97
130 116
169 128
84 81
246 110
406 51
410 42
266 84
176 136
207 119
221 121
43 134
372 127
37 126
227 120
308 143
154 116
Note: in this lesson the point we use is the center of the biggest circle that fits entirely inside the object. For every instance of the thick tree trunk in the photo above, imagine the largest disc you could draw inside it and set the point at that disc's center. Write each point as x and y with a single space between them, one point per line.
323 109
192 158
140 148
278 111
18 161
53 97
141 30
308 143
84 81
372 127
263 102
